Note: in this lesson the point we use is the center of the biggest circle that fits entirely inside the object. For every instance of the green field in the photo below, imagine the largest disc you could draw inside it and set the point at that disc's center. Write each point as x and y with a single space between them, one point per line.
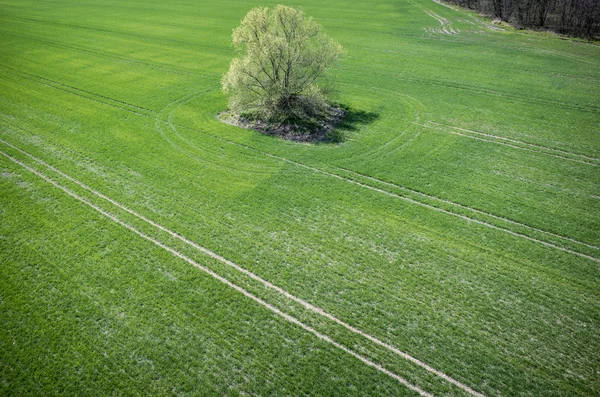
449 244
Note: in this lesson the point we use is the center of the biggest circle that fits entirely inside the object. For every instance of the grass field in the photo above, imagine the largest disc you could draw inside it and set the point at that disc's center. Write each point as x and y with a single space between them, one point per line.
449 245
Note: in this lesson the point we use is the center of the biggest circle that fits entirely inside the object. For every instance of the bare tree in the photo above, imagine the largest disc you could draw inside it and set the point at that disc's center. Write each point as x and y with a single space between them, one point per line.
575 17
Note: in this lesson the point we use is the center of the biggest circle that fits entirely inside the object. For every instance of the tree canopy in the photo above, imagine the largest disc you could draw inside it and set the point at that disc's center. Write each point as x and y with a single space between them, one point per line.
575 17
282 57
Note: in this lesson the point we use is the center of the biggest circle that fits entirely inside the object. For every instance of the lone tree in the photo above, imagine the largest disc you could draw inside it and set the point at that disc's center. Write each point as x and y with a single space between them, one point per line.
283 55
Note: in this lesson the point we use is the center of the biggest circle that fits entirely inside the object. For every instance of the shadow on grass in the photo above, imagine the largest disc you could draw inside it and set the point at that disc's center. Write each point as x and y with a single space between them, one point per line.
352 120
331 130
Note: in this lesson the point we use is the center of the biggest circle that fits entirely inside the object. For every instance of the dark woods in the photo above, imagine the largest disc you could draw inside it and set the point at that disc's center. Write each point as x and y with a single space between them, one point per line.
573 17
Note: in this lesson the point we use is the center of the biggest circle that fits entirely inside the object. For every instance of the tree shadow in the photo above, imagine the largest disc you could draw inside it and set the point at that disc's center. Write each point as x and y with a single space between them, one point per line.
332 129
351 121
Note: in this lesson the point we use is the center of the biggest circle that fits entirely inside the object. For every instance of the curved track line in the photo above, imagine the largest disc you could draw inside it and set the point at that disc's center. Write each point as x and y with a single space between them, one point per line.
478 22
414 109
248 273
108 55
189 97
445 24
532 146
335 176
158 120
212 158
508 145
500 218
466 218
519 142
516 223
477 90
318 170
286 316
155 39
130 108
78 92
352 181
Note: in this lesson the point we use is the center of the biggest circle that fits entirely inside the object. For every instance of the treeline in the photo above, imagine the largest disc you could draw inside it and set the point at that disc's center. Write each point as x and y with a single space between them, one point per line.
573 17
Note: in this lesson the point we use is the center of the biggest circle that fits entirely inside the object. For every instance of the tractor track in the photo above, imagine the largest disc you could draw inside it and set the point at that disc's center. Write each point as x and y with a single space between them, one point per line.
152 113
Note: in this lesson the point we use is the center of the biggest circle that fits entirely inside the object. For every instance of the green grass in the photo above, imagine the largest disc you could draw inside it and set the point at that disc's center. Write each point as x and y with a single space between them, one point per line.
458 221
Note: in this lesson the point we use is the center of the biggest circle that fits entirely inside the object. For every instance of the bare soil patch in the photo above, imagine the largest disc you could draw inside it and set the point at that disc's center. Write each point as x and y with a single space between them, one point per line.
314 131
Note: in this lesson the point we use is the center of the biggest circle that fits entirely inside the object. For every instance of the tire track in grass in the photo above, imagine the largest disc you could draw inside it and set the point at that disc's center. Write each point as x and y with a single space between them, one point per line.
414 110
158 120
416 121
567 55
517 46
267 284
499 94
475 21
212 157
234 286
481 90
445 24
137 110
142 111
154 39
464 217
242 270
318 170
110 56
414 107
505 144
486 25
558 153
415 104
477 211
180 101
413 201
452 203
255 277
554 152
